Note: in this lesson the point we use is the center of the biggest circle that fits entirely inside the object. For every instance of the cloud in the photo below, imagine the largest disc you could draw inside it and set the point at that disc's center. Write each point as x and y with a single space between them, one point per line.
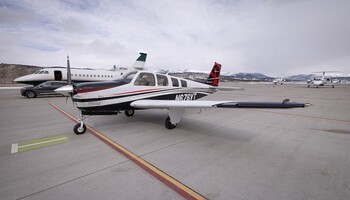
271 37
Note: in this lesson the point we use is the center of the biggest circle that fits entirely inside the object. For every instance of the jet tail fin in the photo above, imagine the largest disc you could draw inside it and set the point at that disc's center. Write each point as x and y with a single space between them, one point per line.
214 75
140 61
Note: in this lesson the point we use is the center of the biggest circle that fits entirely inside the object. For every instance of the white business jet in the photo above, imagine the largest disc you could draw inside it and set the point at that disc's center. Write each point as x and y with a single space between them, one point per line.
79 75
322 81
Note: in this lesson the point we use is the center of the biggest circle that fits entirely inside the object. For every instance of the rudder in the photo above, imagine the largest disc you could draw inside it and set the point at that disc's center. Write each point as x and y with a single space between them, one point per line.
214 75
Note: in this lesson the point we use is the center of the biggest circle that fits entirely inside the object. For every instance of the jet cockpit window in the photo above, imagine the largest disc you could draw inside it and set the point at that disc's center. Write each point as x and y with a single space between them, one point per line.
46 72
41 72
162 80
145 79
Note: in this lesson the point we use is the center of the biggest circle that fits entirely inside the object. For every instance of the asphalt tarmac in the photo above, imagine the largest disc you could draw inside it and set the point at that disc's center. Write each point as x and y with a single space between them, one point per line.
300 153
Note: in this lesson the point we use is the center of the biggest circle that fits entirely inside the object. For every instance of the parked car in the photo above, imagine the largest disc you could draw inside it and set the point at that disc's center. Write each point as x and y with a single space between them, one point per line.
45 88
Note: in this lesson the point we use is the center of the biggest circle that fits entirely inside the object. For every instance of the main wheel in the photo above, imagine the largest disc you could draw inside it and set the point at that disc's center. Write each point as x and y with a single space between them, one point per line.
332 86
78 130
30 94
308 86
168 124
129 113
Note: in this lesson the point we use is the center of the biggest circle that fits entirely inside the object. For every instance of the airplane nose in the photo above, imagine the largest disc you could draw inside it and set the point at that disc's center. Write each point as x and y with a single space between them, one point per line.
18 79
65 90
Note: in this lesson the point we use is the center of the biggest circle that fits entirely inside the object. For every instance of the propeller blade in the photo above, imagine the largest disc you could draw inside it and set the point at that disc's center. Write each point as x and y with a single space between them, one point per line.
69 76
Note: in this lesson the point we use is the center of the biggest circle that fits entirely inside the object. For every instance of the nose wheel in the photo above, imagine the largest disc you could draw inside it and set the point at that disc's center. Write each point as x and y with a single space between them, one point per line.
81 127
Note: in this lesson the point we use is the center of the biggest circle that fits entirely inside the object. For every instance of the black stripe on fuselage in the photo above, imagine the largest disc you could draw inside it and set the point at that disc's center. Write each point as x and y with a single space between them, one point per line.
113 109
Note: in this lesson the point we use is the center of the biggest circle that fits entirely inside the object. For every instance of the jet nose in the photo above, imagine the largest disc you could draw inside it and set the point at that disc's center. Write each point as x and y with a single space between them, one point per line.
65 90
19 79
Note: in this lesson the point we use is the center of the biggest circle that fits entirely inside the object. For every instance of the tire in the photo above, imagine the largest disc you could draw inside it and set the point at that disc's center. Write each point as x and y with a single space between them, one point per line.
30 94
78 130
168 124
308 86
332 86
129 113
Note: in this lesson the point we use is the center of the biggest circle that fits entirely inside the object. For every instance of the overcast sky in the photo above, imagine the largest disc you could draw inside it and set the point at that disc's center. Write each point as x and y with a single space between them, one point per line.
273 37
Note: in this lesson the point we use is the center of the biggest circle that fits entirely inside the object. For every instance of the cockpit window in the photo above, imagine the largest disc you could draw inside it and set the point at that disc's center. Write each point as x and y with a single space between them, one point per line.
145 79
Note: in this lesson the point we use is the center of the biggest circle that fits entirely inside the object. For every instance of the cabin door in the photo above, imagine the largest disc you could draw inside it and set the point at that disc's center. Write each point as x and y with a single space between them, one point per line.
58 75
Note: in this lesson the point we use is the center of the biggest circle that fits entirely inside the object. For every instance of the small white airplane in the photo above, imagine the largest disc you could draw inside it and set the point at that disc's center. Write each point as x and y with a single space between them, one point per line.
323 81
278 81
148 90
79 75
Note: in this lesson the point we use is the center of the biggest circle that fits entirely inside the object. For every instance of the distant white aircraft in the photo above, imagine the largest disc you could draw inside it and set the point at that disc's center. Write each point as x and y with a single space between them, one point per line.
322 81
79 75
279 81
149 90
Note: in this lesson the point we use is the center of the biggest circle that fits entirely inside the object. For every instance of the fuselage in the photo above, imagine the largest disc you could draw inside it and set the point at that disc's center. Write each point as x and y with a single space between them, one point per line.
78 75
114 96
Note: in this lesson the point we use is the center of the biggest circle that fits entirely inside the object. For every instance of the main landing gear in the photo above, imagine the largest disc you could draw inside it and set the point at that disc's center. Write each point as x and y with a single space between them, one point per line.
175 115
168 124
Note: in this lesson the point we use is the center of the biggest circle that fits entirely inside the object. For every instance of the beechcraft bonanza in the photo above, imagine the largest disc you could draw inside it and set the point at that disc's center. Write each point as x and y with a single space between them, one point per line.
79 75
148 90
322 81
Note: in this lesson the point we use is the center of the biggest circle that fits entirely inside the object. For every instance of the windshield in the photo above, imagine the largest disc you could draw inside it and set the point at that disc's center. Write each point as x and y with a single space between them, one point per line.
127 78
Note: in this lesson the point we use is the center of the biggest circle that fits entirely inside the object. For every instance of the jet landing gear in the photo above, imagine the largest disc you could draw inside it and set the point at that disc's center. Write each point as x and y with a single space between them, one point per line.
81 127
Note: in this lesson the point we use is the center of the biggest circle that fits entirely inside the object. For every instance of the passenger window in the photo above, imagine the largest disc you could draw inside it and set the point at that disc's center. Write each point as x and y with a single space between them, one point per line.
175 82
183 83
145 79
162 80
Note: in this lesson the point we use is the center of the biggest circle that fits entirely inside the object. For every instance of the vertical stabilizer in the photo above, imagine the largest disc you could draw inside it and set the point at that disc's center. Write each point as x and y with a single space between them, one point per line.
140 61
214 75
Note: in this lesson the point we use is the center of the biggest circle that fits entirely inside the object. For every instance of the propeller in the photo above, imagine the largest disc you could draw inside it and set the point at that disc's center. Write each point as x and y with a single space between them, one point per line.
68 89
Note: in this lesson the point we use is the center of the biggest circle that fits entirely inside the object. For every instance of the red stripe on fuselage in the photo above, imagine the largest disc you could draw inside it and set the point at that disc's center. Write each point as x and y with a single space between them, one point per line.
136 91
92 90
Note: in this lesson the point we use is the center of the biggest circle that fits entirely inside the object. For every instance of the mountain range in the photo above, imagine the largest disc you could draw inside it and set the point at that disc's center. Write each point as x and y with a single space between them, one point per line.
8 72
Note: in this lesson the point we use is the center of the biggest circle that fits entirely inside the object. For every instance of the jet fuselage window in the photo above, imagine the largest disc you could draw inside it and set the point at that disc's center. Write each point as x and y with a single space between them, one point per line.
183 83
175 82
162 80
145 79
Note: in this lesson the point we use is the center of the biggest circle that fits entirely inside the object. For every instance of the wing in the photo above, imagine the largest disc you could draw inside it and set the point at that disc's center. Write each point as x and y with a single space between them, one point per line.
173 104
